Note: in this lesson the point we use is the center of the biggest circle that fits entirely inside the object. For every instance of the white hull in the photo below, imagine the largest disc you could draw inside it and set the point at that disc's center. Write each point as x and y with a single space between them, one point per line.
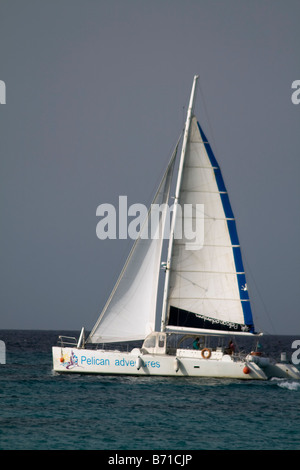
187 363
282 370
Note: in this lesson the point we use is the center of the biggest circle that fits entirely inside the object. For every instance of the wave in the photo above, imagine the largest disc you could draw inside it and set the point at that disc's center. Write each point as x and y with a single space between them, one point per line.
289 385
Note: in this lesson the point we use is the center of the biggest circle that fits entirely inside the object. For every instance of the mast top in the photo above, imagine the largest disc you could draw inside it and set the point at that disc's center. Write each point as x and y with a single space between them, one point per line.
192 97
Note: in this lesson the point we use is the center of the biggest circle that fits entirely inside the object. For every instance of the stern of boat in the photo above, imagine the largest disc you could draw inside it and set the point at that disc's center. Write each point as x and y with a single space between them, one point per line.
282 370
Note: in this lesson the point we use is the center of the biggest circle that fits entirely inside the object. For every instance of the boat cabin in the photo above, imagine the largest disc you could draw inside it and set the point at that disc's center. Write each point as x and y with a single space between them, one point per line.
155 343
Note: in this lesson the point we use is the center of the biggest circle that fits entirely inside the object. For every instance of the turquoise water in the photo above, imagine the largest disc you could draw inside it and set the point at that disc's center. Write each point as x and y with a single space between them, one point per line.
42 410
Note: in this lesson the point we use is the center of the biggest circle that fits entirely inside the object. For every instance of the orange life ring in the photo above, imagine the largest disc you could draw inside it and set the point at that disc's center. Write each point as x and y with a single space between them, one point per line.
206 353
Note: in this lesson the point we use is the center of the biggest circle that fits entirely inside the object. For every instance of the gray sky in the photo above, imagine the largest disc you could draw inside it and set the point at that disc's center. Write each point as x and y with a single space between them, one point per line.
94 106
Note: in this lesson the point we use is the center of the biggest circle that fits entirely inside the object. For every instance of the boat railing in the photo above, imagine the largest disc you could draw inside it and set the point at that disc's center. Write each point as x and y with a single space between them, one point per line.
240 355
67 341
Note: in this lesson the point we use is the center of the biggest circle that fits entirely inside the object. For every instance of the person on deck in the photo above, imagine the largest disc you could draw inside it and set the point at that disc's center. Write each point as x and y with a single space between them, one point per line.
231 348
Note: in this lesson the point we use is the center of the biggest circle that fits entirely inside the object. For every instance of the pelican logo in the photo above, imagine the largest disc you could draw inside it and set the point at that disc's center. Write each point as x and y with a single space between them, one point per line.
2 92
69 361
244 288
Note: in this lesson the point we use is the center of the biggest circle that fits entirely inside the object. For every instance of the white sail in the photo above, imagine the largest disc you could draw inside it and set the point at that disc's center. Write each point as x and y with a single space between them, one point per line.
130 311
207 286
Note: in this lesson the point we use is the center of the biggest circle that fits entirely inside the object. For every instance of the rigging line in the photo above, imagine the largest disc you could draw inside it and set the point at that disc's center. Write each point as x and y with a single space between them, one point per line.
138 239
257 320
259 294
165 164
207 116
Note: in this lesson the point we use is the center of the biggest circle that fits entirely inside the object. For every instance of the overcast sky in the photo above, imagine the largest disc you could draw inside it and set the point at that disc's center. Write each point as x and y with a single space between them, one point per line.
95 99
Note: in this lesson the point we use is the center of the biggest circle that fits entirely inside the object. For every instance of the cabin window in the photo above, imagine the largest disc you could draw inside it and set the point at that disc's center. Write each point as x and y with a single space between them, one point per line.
150 342
161 341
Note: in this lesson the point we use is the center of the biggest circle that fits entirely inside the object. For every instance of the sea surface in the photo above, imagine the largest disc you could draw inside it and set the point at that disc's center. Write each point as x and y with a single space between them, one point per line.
41 410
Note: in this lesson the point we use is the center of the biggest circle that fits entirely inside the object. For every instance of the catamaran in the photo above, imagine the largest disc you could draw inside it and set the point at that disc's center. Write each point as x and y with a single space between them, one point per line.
205 297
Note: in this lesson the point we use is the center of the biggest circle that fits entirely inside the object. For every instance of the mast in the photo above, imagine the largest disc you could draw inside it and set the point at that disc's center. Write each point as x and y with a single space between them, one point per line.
177 192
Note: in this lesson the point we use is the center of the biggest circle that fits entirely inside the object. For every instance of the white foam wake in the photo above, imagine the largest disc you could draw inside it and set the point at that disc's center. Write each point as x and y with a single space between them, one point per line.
283 383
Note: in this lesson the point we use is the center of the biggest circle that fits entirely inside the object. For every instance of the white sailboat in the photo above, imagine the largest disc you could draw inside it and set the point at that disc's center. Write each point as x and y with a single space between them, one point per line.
205 292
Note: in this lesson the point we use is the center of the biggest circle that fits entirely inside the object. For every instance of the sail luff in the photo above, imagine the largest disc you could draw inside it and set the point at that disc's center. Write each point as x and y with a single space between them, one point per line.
176 200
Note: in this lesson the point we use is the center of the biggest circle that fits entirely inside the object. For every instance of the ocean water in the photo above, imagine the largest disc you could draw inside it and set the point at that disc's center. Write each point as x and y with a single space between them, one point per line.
41 410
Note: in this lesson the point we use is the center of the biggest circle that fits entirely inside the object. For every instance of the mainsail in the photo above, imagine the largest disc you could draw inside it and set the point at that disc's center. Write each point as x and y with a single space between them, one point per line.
130 311
207 286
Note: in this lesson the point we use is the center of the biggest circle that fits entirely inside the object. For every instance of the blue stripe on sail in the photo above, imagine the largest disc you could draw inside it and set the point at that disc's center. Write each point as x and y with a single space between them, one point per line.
242 286
233 232
239 267
219 180
210 153
238 259
226 206
248 315
213 162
